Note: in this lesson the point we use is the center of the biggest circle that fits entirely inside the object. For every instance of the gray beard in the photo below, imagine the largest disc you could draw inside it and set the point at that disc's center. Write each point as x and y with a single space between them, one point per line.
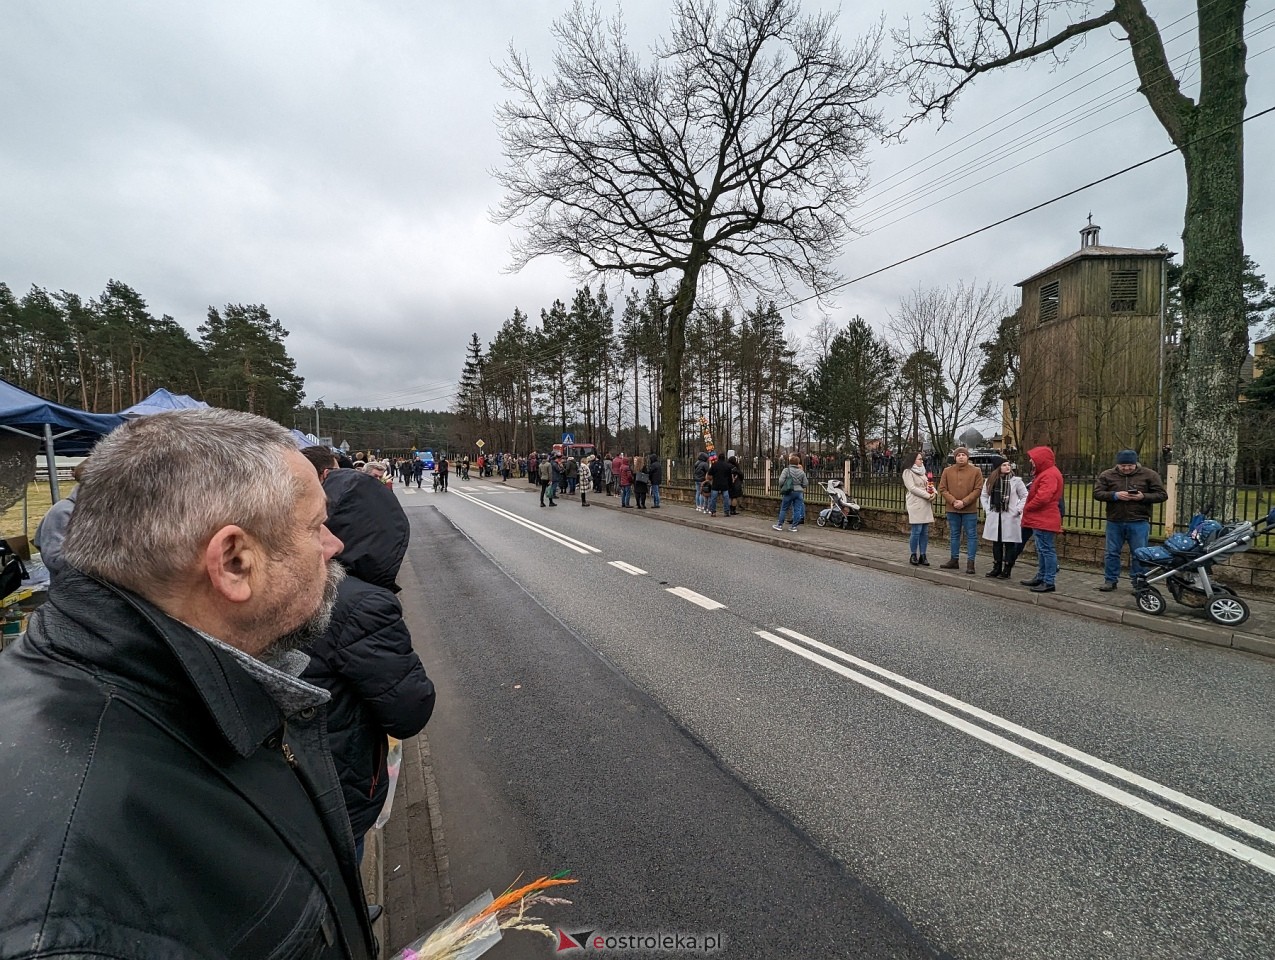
317 624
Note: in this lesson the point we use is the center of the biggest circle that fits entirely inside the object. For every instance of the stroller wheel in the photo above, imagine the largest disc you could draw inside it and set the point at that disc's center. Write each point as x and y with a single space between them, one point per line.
1150 600
1229 611
854 522
822 521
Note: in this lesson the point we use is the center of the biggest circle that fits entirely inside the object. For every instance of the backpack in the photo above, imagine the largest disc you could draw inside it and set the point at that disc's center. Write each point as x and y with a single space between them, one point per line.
12 571
786 484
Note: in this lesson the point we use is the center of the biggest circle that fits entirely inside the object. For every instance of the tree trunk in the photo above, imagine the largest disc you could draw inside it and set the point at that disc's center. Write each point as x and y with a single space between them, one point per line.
1214 325
671 389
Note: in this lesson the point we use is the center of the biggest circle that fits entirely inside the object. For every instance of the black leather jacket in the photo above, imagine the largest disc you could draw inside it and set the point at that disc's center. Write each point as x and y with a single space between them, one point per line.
158 802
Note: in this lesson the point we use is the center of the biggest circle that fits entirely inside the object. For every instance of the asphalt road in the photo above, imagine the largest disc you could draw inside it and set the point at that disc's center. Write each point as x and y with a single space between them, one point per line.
817 760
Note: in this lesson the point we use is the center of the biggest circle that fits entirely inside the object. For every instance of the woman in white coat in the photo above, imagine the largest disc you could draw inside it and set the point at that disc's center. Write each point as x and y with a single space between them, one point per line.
920 501
1003 497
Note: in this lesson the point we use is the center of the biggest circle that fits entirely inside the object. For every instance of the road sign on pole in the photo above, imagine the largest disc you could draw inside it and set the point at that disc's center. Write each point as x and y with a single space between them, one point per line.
568 438
480 444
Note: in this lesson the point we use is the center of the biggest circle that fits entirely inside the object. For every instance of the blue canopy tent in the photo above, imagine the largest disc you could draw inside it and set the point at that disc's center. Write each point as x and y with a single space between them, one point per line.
64 430
161 401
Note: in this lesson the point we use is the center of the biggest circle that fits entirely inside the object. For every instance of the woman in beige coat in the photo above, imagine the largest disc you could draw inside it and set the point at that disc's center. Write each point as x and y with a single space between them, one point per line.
920 500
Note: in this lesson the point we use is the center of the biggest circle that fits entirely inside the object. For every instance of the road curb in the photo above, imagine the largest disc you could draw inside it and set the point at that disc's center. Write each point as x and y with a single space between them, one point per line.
1251 643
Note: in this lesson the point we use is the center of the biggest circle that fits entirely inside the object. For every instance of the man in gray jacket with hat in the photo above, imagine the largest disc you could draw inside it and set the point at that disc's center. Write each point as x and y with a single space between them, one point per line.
1128 489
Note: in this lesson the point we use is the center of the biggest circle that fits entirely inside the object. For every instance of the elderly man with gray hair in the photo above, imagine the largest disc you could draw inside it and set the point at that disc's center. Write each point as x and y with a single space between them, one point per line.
165 777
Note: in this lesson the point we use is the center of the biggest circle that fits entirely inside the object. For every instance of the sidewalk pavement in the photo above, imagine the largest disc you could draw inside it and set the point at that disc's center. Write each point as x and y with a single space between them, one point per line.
405 863
1077 585
405 867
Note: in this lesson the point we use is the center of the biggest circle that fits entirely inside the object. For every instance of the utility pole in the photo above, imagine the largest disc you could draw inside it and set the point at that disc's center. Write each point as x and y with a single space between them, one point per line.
318 405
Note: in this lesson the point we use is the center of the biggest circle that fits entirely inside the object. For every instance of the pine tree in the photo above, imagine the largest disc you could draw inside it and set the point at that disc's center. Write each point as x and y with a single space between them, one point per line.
471 404
248 364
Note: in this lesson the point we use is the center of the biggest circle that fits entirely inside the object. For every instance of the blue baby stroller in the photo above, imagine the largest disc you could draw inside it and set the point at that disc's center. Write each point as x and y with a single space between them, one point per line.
1184 563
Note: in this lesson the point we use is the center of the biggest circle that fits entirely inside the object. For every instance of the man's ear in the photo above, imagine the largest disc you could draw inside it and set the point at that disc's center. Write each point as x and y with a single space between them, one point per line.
230 559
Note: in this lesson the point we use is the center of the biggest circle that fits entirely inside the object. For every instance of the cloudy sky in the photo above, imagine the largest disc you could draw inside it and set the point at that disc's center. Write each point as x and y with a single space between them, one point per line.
332 161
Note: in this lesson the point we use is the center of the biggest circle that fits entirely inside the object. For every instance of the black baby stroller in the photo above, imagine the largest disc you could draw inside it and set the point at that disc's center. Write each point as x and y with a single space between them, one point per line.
842 511
1184 563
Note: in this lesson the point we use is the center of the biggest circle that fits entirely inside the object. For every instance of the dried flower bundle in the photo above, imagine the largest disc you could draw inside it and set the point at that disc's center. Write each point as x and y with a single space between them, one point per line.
473 931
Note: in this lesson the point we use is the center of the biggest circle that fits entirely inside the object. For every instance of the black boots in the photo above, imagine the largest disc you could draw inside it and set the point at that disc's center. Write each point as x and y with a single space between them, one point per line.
994 572
921 561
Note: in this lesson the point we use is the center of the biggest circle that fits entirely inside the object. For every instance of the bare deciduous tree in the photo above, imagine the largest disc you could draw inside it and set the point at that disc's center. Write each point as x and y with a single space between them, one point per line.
955 44
949 324
739 146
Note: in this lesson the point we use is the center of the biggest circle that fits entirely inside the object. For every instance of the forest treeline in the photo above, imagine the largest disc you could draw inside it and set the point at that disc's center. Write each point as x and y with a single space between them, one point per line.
944 360
105 353
939 367
947 359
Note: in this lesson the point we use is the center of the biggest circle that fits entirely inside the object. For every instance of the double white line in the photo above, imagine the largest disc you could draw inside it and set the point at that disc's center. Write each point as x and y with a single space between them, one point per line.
835 660
570 543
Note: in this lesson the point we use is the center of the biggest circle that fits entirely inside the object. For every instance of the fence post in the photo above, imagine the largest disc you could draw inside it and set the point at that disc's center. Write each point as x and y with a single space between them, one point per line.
1171 504
766 477
845 476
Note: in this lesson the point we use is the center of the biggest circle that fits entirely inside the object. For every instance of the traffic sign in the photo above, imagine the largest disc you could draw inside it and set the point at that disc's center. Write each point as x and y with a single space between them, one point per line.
568 438
480 444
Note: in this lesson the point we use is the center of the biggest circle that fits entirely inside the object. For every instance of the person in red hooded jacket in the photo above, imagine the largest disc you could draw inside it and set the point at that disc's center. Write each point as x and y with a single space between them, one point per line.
1042 516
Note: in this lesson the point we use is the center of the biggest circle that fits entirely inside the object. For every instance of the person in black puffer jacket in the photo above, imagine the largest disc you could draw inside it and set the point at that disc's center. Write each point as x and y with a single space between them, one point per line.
378 684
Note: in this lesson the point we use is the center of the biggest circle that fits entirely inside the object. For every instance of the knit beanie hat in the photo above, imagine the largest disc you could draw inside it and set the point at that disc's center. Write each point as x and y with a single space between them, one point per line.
1127 456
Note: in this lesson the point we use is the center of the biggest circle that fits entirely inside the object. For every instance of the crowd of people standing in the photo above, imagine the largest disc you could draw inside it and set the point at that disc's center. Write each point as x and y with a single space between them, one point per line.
1017 512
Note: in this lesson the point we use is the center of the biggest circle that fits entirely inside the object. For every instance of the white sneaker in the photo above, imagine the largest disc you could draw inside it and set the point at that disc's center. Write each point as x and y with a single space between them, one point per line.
793 528
776 526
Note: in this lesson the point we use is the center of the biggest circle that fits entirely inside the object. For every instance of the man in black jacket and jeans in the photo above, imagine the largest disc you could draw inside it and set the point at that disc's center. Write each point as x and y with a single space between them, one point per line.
719 477
365 658
165 780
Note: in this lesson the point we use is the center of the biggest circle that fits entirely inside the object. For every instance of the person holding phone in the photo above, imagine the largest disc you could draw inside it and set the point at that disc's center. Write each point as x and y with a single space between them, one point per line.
1128 489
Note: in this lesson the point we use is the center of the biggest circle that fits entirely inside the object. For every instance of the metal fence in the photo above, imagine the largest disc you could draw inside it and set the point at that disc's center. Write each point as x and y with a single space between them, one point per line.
1221 493
1229 497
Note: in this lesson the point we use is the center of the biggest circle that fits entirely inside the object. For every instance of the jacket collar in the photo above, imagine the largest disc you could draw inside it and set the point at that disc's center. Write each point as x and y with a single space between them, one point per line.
114 631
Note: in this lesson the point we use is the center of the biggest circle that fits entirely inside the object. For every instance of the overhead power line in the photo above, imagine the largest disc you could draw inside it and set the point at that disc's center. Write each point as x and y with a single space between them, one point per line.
1023 213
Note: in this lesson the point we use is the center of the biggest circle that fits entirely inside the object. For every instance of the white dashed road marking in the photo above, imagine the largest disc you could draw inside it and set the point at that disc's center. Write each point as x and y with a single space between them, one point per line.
696 598
627 567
